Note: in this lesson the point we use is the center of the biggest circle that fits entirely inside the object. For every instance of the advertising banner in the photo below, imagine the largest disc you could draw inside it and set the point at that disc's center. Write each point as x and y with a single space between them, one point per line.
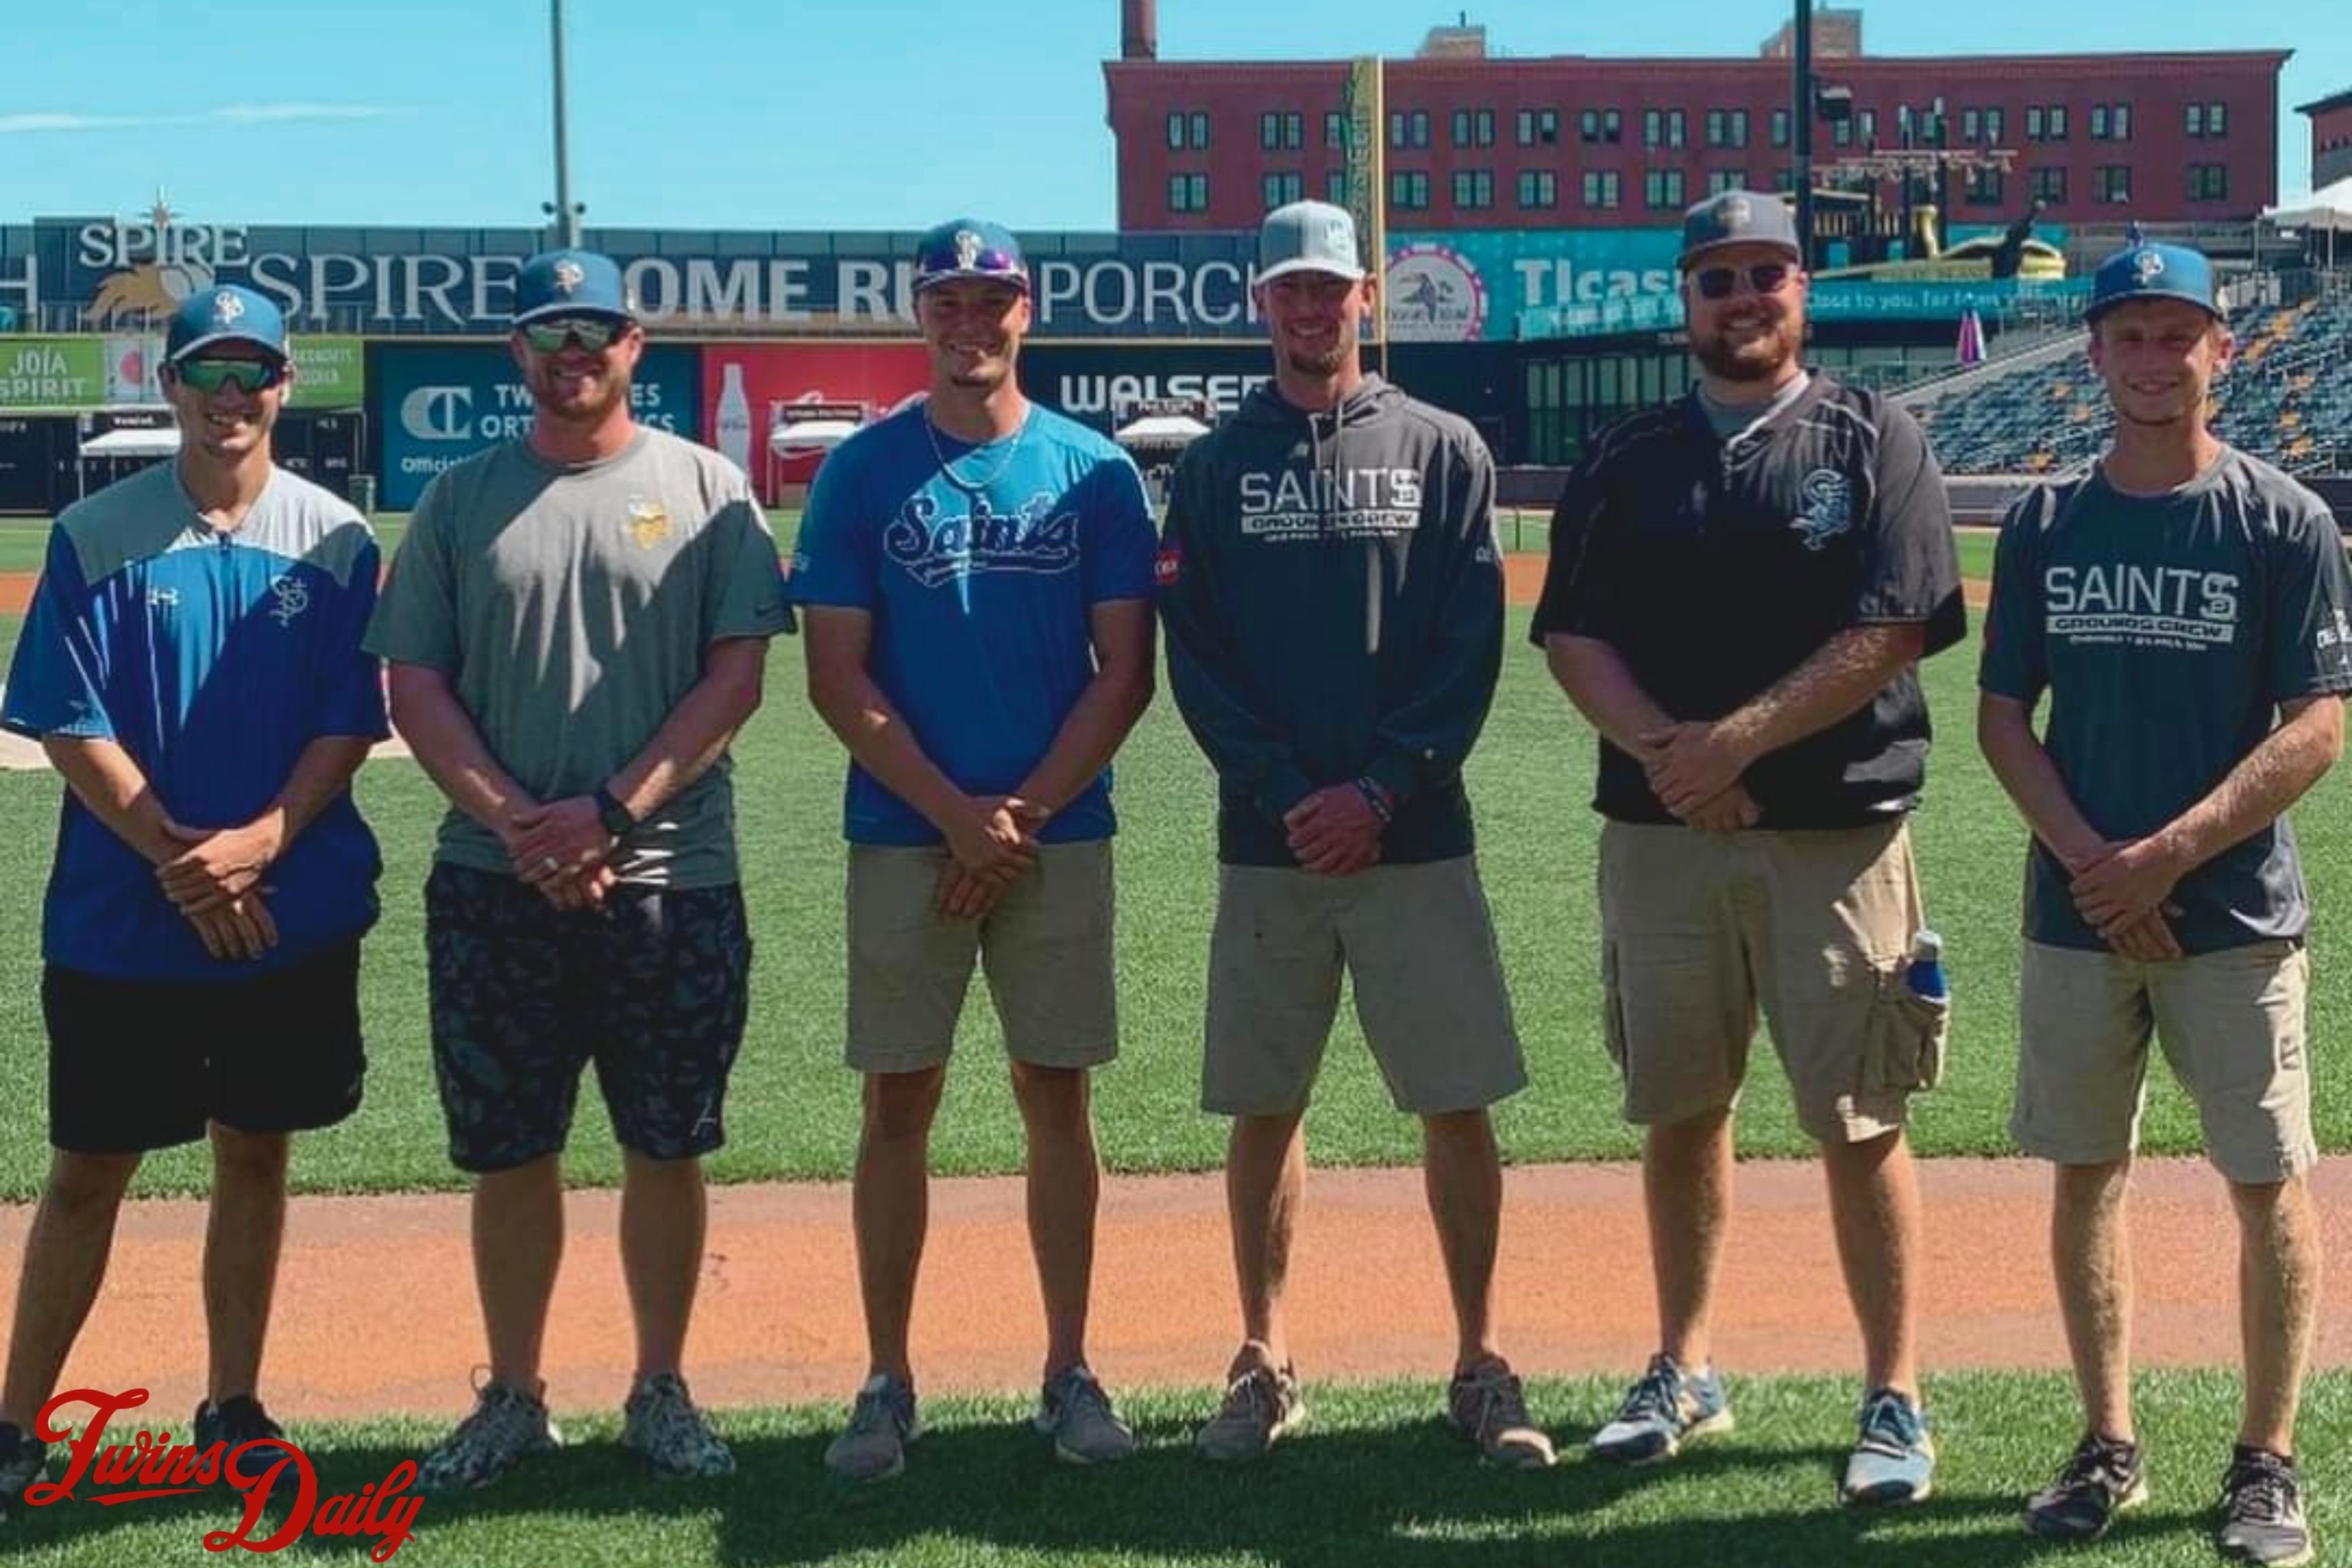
329 372
745 387
437 406
1458 287
1100 383
52 373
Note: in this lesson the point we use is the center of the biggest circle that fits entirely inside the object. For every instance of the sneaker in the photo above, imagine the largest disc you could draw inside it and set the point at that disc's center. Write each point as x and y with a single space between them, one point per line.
235 1423
21 1456
1261 1407
507 1428
1893 1459
1076 1413
1666 1409
873 1448
2261 1511
1490 1408
662 1423
2101 1480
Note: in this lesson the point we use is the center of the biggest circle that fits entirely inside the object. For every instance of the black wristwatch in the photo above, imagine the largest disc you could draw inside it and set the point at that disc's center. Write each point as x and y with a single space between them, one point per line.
613 814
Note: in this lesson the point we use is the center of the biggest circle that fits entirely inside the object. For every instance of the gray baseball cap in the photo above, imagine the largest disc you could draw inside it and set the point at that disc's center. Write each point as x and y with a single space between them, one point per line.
1738 217
1308 237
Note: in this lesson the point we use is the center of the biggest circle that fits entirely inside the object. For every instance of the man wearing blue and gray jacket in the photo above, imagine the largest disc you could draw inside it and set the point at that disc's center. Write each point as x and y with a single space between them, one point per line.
1333 597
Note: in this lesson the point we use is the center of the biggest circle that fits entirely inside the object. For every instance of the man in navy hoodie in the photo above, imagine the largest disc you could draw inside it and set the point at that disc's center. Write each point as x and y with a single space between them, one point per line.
1333 604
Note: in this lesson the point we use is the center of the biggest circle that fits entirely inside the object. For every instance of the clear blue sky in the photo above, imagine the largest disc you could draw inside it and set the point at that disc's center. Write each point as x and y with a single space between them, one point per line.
807 115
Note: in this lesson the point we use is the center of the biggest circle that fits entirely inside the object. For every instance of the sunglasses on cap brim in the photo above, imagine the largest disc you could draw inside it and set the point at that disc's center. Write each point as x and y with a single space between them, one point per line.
1764 278
593 333
245 375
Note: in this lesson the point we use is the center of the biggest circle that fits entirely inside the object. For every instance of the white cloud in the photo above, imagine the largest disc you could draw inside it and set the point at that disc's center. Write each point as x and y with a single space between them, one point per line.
55 123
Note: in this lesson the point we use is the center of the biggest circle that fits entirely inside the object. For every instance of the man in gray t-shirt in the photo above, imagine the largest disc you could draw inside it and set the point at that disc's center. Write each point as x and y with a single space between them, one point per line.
2188 611
577 625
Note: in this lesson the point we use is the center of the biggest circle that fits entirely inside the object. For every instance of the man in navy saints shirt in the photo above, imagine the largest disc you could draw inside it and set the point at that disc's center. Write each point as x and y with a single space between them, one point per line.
192 666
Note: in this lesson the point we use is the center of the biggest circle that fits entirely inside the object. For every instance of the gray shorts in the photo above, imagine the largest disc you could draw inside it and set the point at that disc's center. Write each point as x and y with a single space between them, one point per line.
1419 944
2231 1024
1046 947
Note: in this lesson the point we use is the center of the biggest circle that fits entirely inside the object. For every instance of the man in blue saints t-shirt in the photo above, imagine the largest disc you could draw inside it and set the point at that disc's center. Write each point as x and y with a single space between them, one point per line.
192 666
977 576
2187 610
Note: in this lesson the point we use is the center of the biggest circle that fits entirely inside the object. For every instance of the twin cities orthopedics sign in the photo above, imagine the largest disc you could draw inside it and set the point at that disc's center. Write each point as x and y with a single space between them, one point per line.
107 273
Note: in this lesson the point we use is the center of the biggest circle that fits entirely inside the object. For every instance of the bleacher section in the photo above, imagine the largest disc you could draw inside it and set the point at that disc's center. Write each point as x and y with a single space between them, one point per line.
2287 399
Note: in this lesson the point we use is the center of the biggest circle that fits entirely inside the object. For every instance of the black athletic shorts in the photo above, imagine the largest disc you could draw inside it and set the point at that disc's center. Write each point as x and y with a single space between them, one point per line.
653 988
143 1064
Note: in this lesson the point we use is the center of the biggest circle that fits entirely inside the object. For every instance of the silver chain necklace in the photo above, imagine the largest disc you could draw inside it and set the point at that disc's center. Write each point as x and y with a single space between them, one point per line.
947 464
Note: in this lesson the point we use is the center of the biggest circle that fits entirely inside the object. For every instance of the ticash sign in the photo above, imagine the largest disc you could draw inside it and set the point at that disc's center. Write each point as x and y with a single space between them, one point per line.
435 407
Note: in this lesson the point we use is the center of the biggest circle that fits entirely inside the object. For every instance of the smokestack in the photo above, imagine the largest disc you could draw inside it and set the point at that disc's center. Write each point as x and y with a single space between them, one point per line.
1139 33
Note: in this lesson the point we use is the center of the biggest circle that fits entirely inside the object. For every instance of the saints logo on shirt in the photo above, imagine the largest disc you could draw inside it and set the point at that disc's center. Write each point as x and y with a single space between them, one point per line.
648 522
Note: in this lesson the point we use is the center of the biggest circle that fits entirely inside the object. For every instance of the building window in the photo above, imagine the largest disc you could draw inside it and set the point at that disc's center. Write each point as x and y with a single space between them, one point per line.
1335 127
1281 190
1662 188
1779 128
1539 188
1474 128
1971 125
1601 187
2111 123
1726 128
1269 130
2050 185
2033 122
2057 123
1335 188
2208 121
1842 133
1409 128
1474 187
1784 180
1539 127
2209 182
1984 188
1408 188
1993 123
1187 192
1721 180
2113 183
1662 128
1176 131
1602 125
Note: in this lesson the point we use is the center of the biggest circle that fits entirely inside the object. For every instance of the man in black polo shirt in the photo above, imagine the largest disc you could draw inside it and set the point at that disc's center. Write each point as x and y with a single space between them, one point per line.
1740 584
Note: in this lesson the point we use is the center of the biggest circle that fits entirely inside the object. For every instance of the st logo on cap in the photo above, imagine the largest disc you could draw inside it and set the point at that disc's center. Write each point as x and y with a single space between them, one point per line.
229 314
2153 270
570 283
969 247
1738 217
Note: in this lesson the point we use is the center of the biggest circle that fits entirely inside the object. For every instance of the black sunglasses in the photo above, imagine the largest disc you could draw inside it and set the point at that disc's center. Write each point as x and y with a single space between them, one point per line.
245 375
1764 277
594 333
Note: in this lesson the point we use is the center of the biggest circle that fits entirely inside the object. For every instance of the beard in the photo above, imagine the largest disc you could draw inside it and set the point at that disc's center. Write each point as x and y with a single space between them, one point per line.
1320 363
1760 358
609 392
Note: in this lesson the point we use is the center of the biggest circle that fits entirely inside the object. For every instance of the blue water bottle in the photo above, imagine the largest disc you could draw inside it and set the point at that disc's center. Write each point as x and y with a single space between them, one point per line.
1925 974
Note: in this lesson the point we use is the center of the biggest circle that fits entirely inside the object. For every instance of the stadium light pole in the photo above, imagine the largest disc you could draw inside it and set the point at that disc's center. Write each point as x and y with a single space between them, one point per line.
567 217
1800 47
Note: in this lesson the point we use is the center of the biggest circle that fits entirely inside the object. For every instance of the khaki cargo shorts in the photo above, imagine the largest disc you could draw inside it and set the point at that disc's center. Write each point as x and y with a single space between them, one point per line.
1046 949
1700 931
2231 1025
1419 944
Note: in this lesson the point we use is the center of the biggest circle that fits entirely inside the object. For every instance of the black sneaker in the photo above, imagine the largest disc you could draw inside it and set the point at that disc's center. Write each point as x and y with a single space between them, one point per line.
235 1423
21 1458
2099 1480
2261 1511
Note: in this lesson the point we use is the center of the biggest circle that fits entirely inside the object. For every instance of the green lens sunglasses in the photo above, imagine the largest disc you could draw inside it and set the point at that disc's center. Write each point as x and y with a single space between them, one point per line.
245 375
595 333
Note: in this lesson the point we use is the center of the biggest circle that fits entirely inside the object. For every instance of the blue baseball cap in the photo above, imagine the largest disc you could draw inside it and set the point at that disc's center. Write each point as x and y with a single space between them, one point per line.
969 247
226 313
1739 217
2152 271
570 283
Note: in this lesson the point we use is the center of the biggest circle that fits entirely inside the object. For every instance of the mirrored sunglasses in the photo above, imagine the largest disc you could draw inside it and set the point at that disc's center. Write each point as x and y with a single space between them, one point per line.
245 375
593 333
1765 278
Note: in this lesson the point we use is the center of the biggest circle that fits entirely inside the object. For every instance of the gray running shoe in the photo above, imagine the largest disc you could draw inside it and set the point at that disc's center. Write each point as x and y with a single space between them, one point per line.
873 1448
1261 1407
507 1428
1076 1413
662 1423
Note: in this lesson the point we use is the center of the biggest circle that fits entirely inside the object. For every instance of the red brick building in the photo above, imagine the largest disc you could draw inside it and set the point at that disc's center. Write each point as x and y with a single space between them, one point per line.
1475 141
2331 138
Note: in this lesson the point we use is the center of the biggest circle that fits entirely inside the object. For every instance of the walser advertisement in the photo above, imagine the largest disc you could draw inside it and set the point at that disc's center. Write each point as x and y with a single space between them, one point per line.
1099 384
437 406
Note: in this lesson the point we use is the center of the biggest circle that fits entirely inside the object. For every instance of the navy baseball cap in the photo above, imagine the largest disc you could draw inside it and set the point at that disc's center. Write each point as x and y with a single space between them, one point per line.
969 247
570 283
1738 217
2152 271
1308 237
228 313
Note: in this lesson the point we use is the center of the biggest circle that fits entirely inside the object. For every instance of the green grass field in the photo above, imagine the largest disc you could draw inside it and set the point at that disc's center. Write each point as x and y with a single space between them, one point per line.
1375 1481
795 1107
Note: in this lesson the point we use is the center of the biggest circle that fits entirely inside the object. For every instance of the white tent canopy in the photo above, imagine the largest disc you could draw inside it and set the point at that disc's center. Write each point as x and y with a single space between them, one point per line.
1161 430
162 442
811 434
2329 208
